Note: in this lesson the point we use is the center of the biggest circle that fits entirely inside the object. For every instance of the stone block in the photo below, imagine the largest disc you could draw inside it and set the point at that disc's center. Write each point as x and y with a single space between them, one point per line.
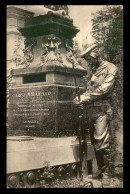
43 110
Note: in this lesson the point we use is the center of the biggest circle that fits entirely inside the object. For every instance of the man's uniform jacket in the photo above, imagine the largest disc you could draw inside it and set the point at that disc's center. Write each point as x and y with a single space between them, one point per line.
99 90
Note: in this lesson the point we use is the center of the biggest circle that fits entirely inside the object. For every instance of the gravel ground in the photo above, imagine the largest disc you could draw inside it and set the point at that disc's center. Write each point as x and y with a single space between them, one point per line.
106 182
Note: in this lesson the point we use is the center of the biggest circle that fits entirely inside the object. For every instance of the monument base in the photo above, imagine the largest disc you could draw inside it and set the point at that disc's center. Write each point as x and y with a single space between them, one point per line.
28 153
43 111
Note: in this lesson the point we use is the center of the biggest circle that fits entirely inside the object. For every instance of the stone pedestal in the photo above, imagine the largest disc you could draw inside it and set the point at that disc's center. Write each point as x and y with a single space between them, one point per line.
41 101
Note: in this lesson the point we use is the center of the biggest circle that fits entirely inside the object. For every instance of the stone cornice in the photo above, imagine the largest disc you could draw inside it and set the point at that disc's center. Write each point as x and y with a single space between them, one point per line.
39 26
23 71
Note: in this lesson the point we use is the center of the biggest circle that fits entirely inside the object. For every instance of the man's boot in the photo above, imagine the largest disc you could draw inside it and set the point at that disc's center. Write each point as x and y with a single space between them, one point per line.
101 165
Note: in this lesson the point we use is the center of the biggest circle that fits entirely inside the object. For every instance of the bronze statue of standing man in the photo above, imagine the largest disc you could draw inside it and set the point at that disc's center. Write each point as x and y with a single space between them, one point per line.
96 99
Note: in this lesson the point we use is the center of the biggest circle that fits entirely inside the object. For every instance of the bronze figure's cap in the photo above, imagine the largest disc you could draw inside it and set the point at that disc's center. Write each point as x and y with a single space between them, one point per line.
91 51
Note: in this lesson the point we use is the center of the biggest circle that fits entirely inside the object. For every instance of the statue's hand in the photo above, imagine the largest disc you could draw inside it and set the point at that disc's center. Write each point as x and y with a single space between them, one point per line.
79 104
85 97
76 101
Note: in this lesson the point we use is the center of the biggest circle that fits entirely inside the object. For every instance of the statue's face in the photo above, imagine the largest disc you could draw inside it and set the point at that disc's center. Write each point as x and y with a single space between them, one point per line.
91 60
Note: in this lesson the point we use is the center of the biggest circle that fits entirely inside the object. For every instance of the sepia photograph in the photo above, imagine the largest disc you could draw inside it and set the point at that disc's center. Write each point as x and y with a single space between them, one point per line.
64 96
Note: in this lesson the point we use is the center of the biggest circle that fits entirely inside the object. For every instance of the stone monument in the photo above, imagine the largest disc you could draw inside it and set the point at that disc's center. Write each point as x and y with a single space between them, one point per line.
42 119
41 100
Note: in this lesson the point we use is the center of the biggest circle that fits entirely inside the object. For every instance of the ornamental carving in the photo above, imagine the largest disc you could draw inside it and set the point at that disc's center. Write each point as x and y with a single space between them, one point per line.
51 42
69 53
51 51
69 44
28 51
58 7
18 57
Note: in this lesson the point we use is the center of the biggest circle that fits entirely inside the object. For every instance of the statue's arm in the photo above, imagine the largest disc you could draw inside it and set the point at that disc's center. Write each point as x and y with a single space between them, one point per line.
103 89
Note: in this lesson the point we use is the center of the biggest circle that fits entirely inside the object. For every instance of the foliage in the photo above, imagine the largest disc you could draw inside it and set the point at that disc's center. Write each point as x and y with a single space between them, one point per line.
107 29
108 32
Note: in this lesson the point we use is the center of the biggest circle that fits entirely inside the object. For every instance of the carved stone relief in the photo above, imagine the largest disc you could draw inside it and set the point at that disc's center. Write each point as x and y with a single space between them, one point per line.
51 51
52 45
18 56
24 56
28 51
69 52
